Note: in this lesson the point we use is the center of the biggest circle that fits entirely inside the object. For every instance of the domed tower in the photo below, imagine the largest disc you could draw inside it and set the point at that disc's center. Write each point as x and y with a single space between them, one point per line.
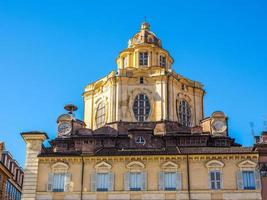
144 89
144 50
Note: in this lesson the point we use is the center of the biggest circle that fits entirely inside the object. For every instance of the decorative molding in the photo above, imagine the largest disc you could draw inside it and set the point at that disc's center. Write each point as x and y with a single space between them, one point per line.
247 164
135 165
214 164
161 158
60 167
170 166
103 167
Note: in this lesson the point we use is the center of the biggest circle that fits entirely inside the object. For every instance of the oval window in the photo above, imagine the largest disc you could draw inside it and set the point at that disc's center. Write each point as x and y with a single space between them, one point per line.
141 107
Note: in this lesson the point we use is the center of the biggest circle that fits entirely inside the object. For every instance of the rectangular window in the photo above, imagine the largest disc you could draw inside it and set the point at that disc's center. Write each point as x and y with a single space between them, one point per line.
59 180
170 181
249 182
102 181
125 62
141 80
162 61
215 180
135 181
143 58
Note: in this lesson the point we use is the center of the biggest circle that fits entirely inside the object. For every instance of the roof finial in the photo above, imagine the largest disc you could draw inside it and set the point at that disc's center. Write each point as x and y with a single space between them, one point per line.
145 25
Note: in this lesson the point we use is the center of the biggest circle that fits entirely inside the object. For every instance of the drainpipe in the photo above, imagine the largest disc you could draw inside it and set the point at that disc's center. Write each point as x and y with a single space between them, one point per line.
82 178
188 178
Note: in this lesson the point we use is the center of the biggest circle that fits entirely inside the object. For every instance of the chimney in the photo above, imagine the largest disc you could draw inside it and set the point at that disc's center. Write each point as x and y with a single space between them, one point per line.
2 146
264 136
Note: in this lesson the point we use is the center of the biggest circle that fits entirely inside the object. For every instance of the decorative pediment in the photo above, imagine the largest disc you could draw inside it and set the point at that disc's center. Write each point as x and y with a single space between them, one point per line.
60 167
170 165
103 166
135 165
214 164
185 97
247 164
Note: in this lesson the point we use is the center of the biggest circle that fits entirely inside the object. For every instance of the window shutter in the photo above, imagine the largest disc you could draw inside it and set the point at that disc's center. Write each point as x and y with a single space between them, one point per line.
67 185
127 181
111 182
222 186
209 174
239 179
50 182
257 179
93 182
161 180
144 181
178 181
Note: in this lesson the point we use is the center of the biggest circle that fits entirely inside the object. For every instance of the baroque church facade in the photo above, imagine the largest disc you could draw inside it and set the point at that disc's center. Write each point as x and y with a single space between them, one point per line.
143 136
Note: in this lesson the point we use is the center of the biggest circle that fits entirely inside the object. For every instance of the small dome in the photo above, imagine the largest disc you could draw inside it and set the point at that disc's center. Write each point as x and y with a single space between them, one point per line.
218 114
65 117
144 36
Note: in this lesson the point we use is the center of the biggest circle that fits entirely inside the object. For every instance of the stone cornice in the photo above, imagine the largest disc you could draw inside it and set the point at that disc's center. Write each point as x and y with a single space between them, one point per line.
87 159
34 135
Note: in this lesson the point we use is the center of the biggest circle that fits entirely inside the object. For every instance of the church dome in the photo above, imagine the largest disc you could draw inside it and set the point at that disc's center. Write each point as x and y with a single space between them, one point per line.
144 36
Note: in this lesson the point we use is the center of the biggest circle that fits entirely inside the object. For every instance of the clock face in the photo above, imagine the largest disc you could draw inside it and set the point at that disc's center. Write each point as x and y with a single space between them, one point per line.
219 126
64 128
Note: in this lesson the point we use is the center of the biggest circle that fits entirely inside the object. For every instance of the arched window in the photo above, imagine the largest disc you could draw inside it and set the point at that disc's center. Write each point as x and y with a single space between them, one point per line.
101 115
141 107
184 113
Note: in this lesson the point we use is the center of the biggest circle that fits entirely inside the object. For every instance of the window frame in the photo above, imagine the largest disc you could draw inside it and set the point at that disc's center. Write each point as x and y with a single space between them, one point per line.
106 182
170 168
100 118
173 176
61 182
125 61
248 166
162 61
184 112
141 107
59 168
135 167
250 187
137 185
141 80
140 140
217 182
143 58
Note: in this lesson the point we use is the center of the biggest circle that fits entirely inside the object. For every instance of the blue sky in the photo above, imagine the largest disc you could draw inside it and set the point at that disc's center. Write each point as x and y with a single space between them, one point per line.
50 50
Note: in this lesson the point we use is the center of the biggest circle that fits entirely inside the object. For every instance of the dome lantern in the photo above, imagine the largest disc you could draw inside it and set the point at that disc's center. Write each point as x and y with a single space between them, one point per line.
145 26
144 50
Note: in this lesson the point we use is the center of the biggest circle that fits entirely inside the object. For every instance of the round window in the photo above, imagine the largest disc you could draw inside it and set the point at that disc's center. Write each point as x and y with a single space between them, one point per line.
141 107
140 140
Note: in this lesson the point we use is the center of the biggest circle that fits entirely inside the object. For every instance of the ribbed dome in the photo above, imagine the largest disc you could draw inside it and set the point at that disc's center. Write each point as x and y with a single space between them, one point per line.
144 36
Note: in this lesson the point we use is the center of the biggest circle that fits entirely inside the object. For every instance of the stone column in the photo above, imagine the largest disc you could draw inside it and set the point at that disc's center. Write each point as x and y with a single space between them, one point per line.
33 142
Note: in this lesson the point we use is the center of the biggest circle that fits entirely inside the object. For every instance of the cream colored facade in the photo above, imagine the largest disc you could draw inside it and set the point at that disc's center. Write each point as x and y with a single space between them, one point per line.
161 84
197 166
112 99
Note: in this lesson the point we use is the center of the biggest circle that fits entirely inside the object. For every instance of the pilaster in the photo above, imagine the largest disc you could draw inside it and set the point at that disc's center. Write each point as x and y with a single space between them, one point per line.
33 142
